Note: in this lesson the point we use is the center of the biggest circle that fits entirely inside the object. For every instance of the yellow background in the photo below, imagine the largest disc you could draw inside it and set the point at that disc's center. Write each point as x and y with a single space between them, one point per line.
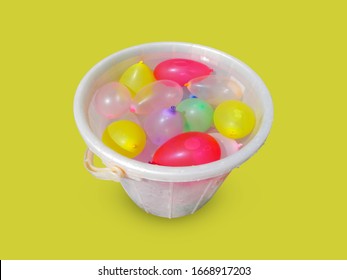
287 202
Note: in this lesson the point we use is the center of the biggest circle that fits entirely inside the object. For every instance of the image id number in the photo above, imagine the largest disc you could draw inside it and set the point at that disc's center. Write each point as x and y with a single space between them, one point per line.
215 270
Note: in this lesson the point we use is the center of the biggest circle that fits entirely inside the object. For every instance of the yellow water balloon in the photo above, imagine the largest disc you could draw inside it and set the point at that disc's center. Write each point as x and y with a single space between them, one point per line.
125 137
234 119
136 77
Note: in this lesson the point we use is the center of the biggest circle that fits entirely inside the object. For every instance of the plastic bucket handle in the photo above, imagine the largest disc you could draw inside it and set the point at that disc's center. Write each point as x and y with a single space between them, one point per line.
110 172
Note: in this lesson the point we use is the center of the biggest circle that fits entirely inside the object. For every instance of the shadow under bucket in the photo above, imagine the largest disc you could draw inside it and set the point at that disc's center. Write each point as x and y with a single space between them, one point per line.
160 190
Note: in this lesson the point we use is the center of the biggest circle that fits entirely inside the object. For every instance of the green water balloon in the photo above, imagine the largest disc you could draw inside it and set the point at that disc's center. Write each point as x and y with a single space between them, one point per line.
197 113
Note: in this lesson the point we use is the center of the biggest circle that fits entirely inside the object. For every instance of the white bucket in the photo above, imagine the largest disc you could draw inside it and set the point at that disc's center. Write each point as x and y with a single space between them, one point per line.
160 190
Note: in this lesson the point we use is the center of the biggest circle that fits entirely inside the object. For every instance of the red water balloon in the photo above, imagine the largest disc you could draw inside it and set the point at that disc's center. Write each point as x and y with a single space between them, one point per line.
180 70
186 149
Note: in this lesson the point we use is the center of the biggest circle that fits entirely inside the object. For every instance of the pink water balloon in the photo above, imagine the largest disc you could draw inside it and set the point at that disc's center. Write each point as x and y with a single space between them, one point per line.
164 124
112 100
180 70
155 96
227 145
215 89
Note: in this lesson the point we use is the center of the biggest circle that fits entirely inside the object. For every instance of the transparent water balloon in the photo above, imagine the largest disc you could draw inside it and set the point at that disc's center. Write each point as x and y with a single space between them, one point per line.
147 153
228 146
215 89
155 96
112 100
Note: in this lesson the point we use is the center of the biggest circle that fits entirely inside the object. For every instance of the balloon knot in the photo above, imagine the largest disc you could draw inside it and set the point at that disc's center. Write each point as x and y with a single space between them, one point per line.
132 109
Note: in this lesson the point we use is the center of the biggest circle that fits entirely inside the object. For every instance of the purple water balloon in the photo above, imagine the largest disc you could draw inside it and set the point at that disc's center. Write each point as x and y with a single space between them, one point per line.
164 124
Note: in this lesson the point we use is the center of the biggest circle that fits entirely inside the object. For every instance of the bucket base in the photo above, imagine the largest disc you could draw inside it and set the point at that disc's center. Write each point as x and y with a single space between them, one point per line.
171 199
